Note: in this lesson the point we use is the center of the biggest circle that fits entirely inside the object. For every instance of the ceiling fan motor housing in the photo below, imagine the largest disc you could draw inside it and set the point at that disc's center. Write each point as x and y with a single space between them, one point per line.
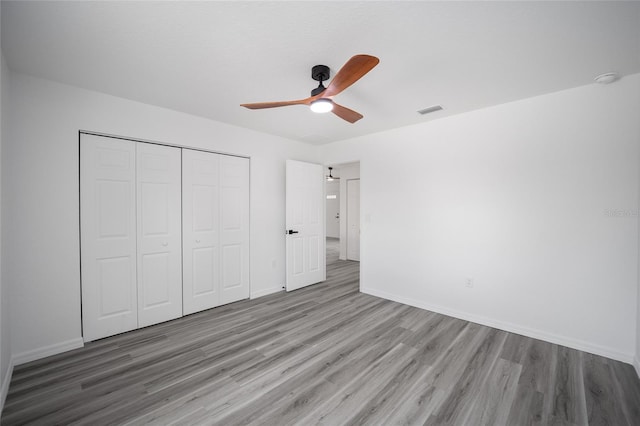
319 73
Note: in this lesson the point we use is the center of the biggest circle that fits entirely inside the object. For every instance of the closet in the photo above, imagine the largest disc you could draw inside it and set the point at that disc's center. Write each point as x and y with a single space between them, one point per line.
164 233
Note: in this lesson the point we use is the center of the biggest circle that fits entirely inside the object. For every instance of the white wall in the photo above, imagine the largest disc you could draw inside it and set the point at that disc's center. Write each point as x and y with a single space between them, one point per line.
41 197
636 361
520 197
347 171
5 331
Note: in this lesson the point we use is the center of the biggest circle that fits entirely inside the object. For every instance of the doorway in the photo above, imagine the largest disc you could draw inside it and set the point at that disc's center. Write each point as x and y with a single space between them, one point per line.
342 211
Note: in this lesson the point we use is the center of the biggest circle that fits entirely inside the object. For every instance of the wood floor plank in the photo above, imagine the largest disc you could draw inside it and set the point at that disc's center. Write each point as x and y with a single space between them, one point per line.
527 406
281 375
419 403
568 404
598 387
537 365
453 361
324 354
331 364
627 395
354 397
187 409
516 348
408 380
494 399
465 389
390 394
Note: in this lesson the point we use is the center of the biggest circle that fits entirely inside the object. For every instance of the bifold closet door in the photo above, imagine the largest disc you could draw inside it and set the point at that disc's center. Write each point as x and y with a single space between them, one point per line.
234 228
200 237
108 236
159 233
215 199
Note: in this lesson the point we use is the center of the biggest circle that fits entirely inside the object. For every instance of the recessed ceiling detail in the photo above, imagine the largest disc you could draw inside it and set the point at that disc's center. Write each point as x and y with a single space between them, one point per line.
430 109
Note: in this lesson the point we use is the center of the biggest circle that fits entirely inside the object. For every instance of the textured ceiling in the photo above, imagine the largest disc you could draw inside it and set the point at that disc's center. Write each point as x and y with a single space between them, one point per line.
206 58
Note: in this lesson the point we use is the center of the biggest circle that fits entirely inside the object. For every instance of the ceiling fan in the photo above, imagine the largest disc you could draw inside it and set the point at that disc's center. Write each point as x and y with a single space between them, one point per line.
330 177
321 99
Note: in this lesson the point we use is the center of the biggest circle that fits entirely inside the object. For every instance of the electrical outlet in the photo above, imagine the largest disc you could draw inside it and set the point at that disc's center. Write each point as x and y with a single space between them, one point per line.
469 282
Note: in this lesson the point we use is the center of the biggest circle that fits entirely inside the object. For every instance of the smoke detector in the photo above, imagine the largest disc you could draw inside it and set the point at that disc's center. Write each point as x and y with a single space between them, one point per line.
607 78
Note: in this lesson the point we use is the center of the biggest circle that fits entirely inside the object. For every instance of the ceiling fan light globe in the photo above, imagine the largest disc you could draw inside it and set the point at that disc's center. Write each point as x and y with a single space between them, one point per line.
321 106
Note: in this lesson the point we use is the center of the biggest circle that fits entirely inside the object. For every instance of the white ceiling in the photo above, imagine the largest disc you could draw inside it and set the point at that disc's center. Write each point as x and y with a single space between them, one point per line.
206 58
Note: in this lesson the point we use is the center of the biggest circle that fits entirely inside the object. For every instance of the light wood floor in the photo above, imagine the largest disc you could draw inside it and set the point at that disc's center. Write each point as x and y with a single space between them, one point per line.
323 354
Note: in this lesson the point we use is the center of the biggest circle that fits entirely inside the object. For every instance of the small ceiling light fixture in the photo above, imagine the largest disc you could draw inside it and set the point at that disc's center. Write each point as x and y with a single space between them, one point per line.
607 78
321 105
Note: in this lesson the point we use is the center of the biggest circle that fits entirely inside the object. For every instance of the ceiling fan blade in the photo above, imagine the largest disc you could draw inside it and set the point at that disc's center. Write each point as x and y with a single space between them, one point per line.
352 71
263 105
345 113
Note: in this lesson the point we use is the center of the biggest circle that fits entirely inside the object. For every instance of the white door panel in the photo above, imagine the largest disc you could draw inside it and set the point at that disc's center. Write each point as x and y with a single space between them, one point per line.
159 233
108 236
201 217
200 230
353 219
234 228
215 230
314 253
204 268
305 247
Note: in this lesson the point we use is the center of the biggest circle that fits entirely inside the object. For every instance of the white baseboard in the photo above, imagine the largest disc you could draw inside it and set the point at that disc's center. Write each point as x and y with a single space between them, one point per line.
46 351
5 385
636 364
265 292
510 327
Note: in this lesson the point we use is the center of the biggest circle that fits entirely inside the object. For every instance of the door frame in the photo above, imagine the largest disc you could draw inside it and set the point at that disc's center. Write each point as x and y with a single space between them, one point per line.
347 219
336 184
343 201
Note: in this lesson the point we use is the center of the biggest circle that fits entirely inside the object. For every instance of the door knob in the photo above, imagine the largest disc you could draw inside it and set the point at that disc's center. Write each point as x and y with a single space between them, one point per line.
165 244
291 231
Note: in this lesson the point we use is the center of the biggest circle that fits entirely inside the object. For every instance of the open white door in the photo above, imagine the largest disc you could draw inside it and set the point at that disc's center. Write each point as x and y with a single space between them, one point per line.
305 224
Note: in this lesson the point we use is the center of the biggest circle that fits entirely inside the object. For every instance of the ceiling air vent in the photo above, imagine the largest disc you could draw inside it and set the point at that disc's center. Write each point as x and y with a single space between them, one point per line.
430 109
